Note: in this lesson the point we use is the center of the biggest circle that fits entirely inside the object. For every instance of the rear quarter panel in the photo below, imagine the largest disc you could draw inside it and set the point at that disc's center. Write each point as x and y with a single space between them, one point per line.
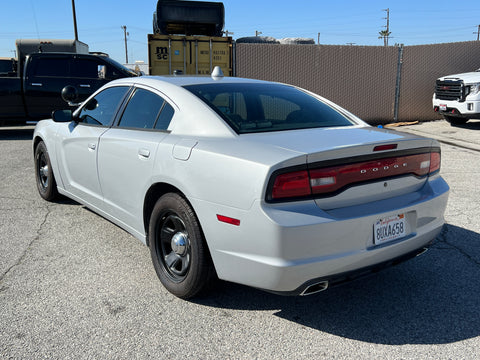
230 172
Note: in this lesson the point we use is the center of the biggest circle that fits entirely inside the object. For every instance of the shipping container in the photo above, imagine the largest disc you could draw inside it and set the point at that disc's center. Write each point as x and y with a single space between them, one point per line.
191 55
189 18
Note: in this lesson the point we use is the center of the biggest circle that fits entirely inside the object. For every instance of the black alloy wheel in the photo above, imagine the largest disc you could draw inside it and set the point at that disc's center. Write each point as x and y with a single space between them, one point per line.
173 248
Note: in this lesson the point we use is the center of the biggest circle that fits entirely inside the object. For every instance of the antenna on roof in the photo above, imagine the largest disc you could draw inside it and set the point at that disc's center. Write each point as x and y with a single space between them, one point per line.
217 73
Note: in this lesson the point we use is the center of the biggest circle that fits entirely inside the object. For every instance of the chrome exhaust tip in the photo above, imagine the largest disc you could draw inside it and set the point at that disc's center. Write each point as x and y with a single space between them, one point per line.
422 251
315 288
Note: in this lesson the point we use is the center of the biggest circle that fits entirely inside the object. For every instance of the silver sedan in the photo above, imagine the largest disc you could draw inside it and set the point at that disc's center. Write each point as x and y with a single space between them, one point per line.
248 181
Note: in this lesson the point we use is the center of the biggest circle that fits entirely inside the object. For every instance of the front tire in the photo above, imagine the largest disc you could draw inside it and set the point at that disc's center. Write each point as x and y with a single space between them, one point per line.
46 184
179 252
453 120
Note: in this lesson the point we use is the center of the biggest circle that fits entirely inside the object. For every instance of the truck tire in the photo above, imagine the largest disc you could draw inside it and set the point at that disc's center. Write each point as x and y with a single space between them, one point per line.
453 120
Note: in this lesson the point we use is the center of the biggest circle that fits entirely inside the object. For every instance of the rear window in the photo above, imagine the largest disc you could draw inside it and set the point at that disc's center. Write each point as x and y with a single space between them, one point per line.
250 108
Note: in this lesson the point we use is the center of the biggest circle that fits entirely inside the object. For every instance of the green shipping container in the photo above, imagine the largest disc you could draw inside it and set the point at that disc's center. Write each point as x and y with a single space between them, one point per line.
192 55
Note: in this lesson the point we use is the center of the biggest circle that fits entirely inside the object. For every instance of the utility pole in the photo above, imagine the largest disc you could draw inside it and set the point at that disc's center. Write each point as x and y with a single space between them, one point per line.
74 20
478 33
388 24
125 34
258 33
318 39
385 34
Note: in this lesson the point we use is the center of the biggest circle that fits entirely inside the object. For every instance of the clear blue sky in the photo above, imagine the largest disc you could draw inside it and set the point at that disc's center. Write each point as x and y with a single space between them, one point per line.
338 22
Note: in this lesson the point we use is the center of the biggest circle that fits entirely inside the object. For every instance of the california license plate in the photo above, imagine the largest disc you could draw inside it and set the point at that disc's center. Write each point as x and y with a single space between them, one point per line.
442 107
389 229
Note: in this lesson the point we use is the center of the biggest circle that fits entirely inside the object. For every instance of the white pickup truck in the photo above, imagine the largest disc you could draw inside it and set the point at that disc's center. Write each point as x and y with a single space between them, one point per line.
457 97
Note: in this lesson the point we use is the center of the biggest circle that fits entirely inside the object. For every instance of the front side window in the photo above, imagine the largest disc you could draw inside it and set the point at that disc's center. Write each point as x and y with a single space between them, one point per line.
142 110
101 109
254 107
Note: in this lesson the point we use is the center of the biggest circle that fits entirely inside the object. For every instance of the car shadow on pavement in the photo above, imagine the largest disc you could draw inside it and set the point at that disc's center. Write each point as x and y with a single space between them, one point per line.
18 133
432 299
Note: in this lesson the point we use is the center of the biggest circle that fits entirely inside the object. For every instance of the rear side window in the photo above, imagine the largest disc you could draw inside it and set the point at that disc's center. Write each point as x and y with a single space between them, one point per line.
255 107
165 117
142 110
85 68
52 67
101 109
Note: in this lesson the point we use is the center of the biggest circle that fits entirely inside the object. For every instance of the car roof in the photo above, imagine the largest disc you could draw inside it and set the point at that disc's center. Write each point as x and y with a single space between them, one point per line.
183 80
172 87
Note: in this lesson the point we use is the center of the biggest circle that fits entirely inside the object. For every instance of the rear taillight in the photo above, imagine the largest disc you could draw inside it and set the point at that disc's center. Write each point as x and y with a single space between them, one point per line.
293 184
435 160
329 180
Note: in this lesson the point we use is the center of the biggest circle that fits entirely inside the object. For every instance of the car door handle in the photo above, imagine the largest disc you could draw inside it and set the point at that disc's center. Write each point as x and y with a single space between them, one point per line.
143 153
36 84
84 85
92 146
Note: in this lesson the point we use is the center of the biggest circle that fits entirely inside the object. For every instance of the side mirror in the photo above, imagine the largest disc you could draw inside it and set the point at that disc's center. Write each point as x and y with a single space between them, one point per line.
91 105
62 115
70 95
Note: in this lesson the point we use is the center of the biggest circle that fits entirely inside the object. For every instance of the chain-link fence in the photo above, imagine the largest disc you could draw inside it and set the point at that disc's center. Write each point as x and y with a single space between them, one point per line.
379 84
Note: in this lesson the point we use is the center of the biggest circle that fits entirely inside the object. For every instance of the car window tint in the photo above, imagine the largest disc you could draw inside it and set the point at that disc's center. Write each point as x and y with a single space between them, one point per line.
165 117
101 109
263 107
275 108
232 105
85 68
52 67
142 110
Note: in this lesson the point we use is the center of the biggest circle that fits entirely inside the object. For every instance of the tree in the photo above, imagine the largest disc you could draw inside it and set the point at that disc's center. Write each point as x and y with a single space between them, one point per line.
384 34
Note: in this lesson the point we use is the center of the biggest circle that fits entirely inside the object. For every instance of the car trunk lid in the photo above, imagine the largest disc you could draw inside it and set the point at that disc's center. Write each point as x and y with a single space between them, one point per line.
348 166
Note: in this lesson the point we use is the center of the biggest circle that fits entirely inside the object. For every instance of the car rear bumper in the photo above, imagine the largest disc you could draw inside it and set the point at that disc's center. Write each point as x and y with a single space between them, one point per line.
319 284
287 248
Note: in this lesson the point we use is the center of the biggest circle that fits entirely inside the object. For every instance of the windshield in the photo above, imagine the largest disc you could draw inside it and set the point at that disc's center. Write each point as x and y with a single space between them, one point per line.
254 107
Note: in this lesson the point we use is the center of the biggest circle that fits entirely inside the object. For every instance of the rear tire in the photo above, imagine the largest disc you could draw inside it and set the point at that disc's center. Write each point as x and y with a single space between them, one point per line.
179 252
46 184
453 120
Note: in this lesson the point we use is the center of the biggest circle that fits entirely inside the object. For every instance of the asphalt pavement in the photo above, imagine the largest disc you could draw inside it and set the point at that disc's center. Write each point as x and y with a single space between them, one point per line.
75 286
